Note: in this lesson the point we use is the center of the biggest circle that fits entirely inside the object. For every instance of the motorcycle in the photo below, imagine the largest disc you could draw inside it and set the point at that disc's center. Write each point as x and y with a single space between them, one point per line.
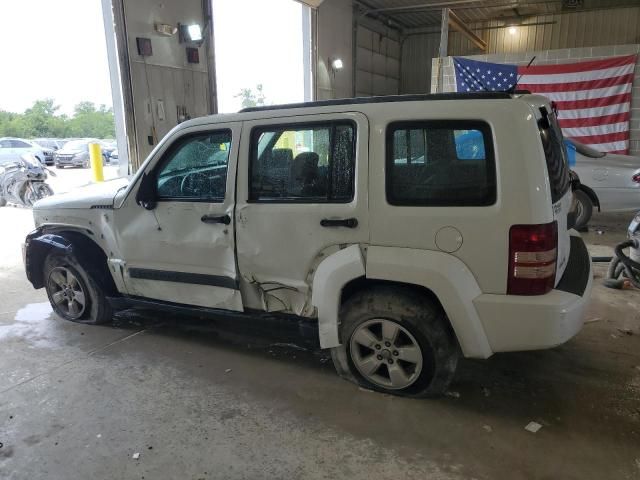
23 182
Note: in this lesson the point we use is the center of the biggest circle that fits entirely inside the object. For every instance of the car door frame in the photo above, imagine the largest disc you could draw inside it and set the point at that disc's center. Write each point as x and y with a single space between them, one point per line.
294 291
154 271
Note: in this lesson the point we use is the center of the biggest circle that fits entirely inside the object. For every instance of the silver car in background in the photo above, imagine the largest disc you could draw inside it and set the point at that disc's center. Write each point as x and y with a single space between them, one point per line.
12 149
609 181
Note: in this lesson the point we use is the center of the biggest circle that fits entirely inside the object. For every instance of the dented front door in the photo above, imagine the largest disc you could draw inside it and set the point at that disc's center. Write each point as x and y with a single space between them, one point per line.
182 250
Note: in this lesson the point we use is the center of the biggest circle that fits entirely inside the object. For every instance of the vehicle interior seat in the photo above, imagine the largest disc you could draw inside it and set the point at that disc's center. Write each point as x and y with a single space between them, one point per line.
304 174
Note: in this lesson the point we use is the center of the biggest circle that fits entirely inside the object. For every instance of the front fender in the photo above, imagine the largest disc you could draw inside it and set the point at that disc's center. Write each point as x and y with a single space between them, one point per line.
36 248
447 277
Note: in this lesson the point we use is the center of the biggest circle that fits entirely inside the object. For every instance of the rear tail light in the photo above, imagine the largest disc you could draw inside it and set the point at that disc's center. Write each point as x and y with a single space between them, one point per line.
636 178
533 251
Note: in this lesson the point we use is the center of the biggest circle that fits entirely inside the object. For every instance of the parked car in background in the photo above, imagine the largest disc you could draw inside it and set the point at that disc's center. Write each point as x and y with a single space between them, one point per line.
107 149
609 182
13 148
75 153
52 143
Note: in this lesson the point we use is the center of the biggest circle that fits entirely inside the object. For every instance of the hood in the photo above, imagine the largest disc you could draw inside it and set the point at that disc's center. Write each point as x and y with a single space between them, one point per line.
97 195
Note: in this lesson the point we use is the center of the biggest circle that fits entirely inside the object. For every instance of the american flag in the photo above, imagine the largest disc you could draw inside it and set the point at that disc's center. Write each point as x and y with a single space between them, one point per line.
593 98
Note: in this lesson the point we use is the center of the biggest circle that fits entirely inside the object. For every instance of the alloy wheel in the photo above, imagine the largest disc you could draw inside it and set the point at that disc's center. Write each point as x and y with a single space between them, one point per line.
67 292
386 354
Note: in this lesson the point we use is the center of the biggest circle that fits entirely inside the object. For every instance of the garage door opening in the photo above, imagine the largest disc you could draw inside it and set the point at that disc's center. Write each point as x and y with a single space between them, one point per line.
262 52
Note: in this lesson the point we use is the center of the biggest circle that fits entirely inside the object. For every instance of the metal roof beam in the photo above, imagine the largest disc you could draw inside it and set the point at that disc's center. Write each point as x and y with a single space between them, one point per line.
457 24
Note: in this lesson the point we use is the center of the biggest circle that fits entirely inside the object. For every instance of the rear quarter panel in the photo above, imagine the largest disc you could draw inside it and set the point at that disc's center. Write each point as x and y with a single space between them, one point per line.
523 194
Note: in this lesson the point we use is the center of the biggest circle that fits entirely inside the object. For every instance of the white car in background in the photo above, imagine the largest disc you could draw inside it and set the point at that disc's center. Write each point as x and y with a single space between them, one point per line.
11 149
609 181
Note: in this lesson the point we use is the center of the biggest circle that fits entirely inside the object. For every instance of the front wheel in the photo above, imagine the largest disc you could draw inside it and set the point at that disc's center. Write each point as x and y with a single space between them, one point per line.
73 293
396 341
584 209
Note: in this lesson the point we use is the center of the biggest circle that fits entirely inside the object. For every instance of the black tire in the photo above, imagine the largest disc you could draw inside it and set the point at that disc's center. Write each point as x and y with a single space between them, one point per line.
96 309
3 201
584 209
43 190
419 317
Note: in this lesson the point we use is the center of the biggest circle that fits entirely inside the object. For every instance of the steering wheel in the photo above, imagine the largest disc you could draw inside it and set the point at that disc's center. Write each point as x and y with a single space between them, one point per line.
192 184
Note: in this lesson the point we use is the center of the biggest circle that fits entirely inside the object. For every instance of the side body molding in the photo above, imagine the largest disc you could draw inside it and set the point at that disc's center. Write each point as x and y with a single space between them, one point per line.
447 277
332 274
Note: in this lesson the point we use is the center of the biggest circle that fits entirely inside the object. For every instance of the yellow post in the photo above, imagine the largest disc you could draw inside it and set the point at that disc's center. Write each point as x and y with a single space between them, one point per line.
95 153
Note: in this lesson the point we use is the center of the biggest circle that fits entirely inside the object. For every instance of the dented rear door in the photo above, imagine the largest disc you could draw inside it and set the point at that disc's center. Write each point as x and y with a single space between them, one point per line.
302 195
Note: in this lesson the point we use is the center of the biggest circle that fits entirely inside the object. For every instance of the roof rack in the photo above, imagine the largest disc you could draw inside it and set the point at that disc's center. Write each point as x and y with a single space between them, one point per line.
386 99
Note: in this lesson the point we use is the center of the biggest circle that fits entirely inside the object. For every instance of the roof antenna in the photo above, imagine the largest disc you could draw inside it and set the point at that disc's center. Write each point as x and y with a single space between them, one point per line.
513 89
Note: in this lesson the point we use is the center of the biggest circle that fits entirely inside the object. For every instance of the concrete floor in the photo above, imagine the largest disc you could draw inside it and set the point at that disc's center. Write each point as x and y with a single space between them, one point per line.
78 401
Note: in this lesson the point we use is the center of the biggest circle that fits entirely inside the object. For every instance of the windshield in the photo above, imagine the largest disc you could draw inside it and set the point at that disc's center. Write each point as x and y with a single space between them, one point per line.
585 150
77 145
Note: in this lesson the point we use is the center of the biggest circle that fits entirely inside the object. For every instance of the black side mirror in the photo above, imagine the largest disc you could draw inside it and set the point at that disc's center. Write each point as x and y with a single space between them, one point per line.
146 196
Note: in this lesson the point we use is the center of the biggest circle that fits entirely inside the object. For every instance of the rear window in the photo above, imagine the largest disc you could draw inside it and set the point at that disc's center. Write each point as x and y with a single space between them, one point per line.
555 154
440 163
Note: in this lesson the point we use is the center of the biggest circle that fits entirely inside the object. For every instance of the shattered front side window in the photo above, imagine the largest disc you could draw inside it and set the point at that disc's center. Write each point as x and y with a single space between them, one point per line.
196 168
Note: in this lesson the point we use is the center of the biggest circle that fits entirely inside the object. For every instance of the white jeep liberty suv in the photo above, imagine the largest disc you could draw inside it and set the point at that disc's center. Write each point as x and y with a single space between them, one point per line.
408 229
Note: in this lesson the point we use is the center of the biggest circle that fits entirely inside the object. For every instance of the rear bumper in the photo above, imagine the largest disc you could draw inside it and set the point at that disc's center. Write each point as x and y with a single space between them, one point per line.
515 323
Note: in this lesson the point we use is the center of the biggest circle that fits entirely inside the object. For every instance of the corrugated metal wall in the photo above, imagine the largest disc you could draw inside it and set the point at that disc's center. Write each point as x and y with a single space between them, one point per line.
595 28
619 26
377 63
416 73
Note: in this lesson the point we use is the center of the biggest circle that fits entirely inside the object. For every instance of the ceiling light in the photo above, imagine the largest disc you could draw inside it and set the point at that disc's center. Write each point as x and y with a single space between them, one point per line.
512 30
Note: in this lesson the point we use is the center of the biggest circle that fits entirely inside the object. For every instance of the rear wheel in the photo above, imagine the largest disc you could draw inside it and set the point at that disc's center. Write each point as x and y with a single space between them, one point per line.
584 209
396 341
73 293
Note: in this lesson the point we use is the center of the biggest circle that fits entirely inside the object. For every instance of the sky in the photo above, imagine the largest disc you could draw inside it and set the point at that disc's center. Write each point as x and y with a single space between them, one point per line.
60 52
263 46
52 48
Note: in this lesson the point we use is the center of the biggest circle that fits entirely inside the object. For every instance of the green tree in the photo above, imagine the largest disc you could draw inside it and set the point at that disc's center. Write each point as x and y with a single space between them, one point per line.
251 98
91 121
42 120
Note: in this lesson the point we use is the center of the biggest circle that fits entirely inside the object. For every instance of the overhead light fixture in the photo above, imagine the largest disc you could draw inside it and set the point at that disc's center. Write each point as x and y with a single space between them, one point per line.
512 30
336 64
195 32
191 33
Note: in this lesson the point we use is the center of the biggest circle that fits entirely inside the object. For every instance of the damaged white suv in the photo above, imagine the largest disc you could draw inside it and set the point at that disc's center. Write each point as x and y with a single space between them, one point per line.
409 229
